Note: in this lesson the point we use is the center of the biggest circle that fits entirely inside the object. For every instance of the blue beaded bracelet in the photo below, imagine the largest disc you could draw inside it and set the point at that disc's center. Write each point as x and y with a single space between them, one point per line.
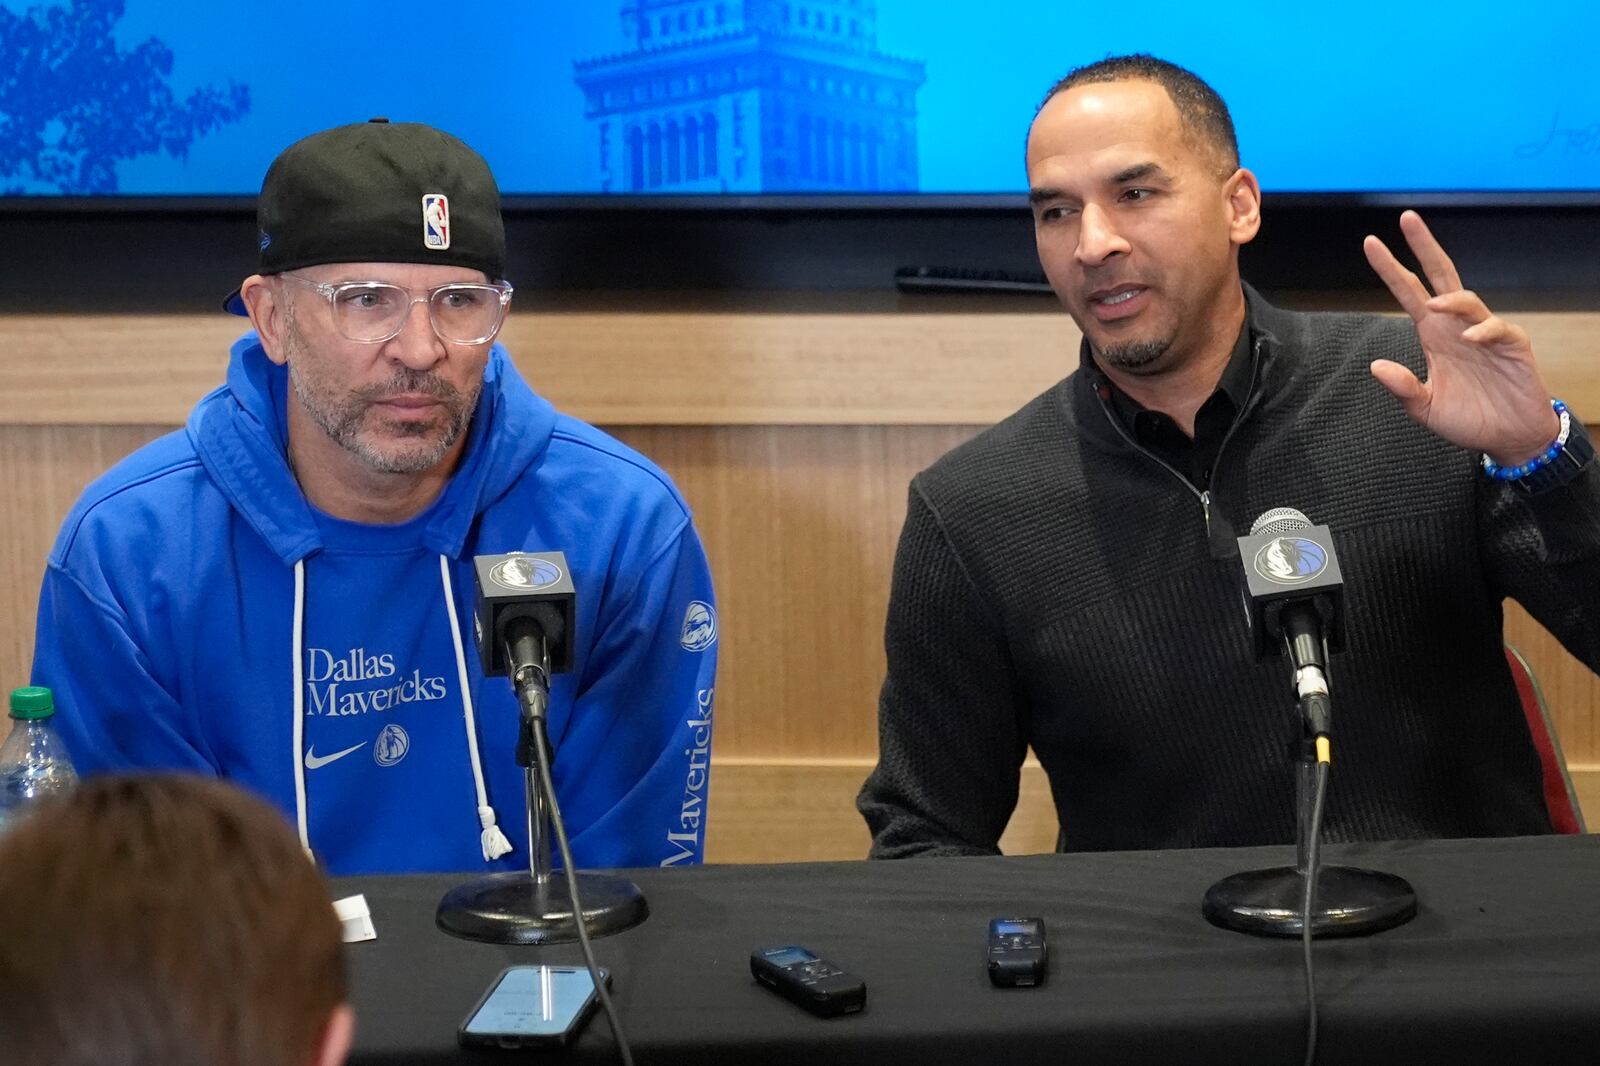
1543 459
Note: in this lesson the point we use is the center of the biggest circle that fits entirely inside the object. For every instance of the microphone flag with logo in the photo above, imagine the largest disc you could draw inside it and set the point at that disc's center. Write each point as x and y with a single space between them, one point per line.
1289 561
524 585
524 619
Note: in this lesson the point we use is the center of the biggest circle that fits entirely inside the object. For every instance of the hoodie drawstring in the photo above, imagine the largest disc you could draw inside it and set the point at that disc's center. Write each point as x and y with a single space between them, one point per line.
493 840
298 640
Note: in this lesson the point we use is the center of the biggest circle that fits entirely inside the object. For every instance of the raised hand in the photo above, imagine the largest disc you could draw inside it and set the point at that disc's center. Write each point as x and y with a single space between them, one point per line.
1483 389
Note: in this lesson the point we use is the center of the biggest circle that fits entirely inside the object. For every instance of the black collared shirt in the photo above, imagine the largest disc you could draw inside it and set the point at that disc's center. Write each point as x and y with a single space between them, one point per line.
1157 433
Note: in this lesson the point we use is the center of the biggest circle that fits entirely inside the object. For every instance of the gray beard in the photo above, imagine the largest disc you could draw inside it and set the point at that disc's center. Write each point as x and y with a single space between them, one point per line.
1134 357
344 425
341 418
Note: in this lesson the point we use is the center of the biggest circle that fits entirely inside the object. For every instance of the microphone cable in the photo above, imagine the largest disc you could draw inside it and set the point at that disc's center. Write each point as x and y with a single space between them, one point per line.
1308 900
548 787
1316 713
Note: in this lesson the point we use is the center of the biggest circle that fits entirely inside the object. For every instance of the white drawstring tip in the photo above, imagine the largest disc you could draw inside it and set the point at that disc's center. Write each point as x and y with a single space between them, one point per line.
494 841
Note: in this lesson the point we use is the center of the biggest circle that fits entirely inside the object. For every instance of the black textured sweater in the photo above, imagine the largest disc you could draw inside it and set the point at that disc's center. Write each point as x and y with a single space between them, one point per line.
1058 588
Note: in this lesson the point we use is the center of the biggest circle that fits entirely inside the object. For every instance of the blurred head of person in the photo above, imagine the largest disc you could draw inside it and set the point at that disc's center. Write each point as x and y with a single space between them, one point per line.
166 920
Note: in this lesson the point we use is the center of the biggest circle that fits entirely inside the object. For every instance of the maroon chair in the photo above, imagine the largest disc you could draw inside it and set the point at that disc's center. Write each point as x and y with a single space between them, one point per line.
1559 797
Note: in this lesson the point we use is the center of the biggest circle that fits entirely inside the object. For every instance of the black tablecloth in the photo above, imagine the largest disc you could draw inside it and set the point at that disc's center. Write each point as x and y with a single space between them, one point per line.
1502 964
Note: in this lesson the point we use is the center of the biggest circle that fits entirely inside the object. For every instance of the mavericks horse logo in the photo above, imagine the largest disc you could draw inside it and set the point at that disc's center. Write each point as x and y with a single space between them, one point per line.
699 626
1291 560
524 573
391 745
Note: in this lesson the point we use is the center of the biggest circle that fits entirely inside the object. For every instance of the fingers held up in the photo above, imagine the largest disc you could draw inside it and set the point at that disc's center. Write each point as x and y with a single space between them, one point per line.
1405 386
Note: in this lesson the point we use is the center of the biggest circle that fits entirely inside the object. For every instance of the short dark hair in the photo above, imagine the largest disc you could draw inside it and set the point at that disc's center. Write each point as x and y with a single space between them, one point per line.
1201 110
163 919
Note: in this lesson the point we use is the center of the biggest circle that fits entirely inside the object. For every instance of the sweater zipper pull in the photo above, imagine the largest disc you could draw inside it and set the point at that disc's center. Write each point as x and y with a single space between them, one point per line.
1219 531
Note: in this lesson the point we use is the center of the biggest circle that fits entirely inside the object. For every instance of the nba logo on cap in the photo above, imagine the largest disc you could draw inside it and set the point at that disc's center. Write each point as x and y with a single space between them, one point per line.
436 221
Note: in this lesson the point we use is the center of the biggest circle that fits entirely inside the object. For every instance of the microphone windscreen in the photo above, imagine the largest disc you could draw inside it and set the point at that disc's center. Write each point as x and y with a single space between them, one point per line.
1278 521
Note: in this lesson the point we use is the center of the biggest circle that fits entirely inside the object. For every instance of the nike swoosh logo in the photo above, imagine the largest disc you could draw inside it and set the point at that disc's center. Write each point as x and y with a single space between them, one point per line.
315 761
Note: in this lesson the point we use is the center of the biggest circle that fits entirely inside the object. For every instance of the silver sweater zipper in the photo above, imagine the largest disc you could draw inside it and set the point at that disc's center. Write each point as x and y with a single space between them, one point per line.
1204 495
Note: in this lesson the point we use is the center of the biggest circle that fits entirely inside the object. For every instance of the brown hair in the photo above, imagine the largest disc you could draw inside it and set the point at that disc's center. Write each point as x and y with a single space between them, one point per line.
163 919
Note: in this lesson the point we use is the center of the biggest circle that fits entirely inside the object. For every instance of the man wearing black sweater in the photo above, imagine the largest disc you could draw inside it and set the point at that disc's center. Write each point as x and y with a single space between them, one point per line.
1069 579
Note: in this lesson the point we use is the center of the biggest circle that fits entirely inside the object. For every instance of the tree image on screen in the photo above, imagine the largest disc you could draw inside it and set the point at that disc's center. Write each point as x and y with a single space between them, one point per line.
72 104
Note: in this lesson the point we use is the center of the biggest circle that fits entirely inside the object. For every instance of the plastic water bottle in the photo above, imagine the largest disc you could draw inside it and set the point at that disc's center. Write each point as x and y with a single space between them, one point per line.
33 761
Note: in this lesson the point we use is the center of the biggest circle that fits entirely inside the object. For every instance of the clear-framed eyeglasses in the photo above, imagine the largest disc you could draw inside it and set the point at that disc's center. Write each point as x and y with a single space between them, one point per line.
371 312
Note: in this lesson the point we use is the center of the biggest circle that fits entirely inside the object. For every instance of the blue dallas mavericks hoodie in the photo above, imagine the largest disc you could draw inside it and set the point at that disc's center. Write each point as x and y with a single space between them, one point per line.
198 614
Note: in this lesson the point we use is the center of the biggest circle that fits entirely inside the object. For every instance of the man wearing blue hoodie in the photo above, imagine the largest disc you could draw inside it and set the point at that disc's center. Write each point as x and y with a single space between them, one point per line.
281 592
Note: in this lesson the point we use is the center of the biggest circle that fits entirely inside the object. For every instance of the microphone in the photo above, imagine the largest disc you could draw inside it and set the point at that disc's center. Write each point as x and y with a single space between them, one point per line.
524 625
523 622
1293 599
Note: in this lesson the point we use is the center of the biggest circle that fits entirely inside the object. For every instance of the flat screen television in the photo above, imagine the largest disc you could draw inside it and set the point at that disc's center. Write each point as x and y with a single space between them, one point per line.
781 144
752 103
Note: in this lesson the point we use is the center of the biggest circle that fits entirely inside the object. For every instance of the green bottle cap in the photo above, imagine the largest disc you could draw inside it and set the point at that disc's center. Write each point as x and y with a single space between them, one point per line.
32 701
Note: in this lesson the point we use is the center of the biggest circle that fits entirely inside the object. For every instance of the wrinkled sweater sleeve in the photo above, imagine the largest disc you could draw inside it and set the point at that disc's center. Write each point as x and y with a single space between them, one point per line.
950 740
1543 550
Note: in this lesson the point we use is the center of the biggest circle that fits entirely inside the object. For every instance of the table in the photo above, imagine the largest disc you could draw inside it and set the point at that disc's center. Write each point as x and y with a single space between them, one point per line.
1502 964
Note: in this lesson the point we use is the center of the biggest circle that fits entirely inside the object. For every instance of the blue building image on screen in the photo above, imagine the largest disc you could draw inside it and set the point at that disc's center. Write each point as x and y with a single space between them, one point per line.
752 96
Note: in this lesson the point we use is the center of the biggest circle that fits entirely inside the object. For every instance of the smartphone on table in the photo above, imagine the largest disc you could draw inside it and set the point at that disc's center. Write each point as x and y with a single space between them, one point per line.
532 1006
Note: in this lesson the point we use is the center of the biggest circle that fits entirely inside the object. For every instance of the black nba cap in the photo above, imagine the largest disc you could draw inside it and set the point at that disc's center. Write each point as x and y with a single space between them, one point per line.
379 192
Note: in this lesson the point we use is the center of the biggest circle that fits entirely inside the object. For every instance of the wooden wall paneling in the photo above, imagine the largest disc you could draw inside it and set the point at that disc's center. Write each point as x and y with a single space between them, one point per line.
43 469
878 361
1571 692
1586 783
128 370
800 524
804 811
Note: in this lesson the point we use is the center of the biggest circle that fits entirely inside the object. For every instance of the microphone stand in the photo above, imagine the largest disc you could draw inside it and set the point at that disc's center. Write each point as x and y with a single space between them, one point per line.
539 908
1346 900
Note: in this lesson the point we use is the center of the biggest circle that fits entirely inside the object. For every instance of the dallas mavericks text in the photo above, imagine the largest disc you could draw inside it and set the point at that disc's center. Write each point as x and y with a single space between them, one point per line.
329 681
682 841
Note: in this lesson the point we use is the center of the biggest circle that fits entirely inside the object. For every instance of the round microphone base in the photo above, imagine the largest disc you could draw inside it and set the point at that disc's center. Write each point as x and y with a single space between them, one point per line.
1350 902
512 908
